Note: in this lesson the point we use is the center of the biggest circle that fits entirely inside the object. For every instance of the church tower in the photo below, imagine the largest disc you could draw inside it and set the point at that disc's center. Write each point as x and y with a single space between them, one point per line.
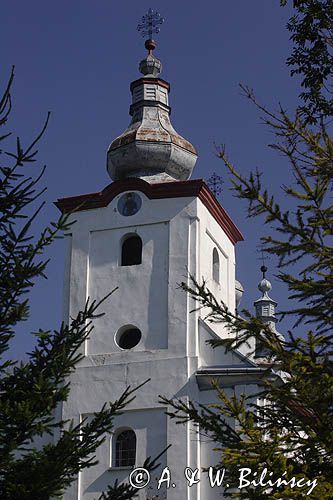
146 232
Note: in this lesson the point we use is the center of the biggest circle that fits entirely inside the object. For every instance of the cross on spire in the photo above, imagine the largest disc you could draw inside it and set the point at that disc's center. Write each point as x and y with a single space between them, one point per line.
263 258
150 23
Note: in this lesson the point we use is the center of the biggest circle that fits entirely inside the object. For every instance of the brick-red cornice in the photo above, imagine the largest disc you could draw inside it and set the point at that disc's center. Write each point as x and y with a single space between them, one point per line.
193 188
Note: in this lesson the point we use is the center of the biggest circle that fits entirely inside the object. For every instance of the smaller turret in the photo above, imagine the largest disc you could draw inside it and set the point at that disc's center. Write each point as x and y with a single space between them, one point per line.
265 307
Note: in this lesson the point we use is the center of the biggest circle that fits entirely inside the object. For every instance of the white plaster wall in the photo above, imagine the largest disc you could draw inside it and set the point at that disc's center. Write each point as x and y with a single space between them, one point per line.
150 442
141 299
67 274
209 457
212 236
148 295
178 237
92 386
214 357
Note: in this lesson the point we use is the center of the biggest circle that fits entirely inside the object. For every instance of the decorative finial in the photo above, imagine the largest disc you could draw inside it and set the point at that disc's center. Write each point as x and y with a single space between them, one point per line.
150 66
264 285
263 258
214 182
150 25
263 269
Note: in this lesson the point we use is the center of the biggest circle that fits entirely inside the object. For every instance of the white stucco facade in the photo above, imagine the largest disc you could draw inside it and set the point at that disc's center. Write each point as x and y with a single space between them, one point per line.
179 235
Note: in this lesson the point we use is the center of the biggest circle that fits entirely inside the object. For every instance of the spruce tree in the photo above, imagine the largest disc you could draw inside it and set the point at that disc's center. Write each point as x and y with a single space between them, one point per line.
32 468
287 427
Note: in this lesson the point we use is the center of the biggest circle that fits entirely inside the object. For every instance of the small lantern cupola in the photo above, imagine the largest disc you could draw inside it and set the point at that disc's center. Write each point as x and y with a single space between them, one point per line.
150 148
265 310
265 306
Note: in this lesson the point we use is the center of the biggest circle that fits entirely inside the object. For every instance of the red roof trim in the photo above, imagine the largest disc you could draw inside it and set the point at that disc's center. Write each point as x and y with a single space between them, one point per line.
177 189
219 214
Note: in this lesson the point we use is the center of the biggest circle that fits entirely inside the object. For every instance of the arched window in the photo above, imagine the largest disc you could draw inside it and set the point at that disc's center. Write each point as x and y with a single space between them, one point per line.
125 449
216 266
131 250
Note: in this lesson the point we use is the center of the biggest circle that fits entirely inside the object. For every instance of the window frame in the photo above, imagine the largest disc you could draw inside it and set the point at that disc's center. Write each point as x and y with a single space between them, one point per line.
124 239
113 449
216 266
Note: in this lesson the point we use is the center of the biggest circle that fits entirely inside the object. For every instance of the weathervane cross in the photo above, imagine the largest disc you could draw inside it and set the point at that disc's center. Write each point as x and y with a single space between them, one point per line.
215 184
263 258
150 23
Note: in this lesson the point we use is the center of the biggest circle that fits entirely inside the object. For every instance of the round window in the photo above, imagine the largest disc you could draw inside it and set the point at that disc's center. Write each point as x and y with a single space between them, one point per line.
129 204
128 338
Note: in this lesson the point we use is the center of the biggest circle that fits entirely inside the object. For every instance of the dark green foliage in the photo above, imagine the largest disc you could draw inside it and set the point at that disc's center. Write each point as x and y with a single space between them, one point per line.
287 426
31 391
303 233
311 29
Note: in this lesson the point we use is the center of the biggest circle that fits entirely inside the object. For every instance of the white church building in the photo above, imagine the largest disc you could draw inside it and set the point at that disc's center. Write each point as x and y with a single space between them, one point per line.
146 232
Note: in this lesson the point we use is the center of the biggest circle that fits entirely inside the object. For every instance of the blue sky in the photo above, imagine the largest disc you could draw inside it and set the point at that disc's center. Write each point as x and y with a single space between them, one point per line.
77 60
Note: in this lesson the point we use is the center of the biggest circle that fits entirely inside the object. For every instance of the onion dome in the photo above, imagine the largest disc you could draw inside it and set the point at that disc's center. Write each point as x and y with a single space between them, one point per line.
150 147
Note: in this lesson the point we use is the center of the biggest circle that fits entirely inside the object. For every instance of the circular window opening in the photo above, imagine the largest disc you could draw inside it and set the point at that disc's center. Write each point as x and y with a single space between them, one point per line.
129 338
129 204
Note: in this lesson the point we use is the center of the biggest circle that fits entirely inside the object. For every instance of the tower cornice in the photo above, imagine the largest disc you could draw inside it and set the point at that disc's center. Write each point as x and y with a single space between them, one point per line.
192 188
145 80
